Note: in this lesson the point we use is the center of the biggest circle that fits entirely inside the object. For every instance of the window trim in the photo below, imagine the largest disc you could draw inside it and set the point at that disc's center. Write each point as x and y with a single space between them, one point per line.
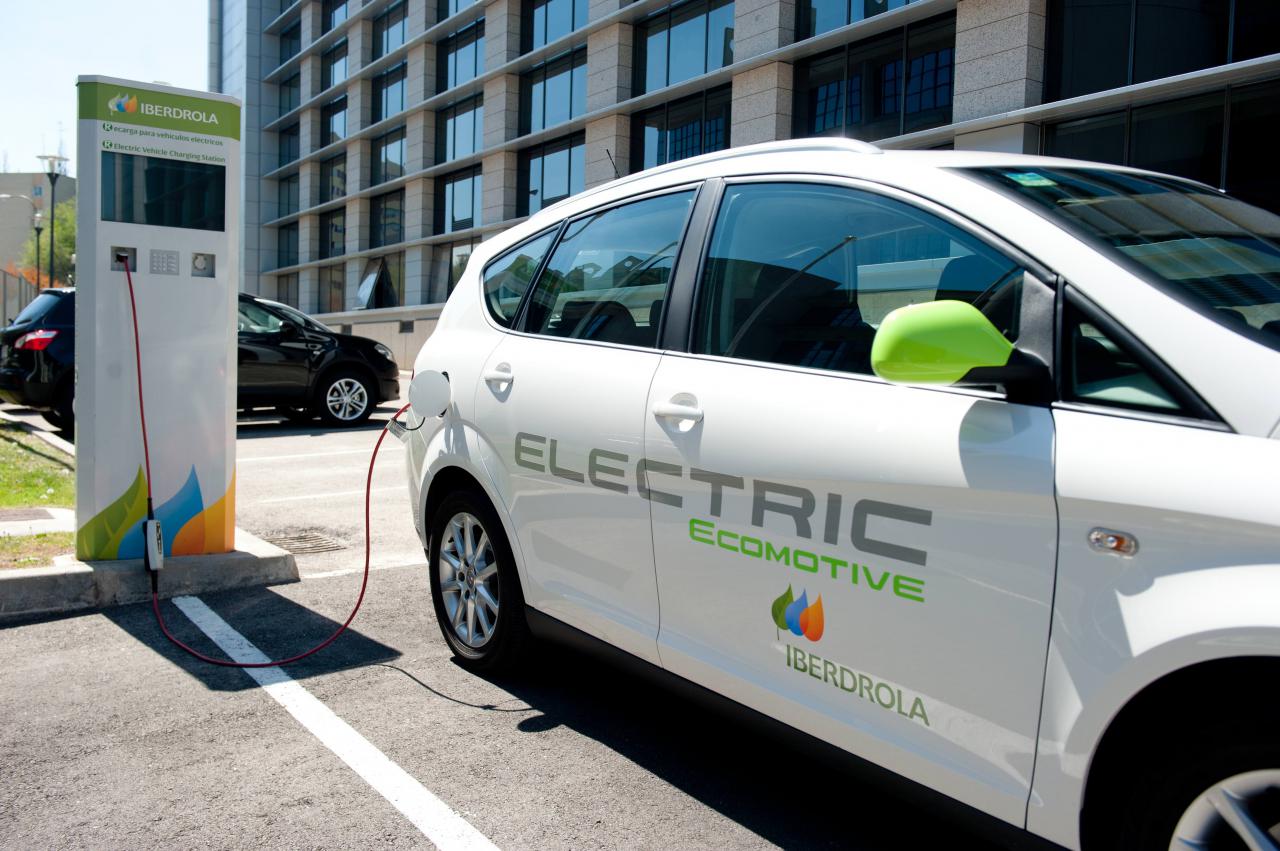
522 314
1194 409
555 231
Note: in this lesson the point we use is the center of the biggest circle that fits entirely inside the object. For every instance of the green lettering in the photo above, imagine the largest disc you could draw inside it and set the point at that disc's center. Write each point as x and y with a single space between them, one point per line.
798 661
720 540
883 703
770 554
909 588
864 686
829 672
701 527
755 542
812 566
835 564
813 666
917 708
853 685
884 577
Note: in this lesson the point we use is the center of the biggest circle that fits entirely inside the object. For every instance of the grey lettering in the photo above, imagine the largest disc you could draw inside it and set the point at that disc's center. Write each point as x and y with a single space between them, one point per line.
562 472
595 469
718 482
760 503
643 466
522 450
865 508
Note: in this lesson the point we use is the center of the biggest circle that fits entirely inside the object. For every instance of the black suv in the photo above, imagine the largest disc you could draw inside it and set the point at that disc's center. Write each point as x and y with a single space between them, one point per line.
288 362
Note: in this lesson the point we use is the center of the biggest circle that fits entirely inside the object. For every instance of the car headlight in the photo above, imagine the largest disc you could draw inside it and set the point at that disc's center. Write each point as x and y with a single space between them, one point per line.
384 351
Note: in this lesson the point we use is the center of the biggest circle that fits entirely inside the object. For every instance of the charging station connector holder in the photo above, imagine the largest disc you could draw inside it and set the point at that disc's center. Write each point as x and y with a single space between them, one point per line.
154 552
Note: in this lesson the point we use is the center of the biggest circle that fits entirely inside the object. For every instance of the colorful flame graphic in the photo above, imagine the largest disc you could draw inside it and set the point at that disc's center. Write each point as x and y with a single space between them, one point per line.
798 616
123 103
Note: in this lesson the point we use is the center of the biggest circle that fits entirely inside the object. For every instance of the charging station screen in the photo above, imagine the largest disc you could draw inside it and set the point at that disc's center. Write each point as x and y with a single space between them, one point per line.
144 190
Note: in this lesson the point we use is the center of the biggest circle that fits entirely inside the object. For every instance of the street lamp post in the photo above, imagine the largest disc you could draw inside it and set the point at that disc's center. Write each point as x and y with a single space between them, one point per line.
51 163
36 222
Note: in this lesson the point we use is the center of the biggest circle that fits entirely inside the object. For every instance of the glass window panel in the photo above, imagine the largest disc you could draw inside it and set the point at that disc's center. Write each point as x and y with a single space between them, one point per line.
1256 25
388 156
578 83
333 289
507 278
533 191
719 35
289 144
874 88
578 167
819 16
655 55
1099 139
558 102
716 124
930 69
333 178
290 94
1251 171
333 12
389 30
1101 371
1182 137
559 19
537 104
684 120
1177 36
821 109
288 195
608 270
145 190
334 66
333 233
688 48
555 176
1087 46
650 135
290 42
287 245
387 217
803 274
539 25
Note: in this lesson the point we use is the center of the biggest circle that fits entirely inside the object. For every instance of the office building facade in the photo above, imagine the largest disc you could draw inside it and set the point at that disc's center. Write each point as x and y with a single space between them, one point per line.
385 139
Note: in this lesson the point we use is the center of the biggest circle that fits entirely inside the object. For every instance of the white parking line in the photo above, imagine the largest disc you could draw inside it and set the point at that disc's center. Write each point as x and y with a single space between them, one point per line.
437 820
362 451
347 571
325 495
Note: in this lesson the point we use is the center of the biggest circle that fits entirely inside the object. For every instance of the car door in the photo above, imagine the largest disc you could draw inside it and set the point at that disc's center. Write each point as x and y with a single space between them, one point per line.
274 356
562 407
871 563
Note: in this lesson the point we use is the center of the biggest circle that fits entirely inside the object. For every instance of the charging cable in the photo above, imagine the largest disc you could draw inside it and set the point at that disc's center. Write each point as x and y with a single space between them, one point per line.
152 528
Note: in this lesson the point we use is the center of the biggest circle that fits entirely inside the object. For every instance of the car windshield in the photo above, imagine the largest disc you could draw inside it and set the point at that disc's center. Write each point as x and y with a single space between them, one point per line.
298 316
1217 252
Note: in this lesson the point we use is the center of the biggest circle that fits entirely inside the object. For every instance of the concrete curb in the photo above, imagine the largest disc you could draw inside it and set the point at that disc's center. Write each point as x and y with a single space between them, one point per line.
47 436
71 585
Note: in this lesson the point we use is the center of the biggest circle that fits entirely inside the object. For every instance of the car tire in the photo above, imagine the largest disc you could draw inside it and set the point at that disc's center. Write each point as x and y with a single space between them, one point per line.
344 398
475 588
1221 780
296 415
63 416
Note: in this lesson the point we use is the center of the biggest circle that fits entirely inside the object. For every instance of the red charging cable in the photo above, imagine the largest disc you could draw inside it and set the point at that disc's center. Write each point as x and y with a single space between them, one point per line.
155 596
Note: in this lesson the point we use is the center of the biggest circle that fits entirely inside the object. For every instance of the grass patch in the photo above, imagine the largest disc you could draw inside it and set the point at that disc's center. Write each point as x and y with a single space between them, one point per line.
34 550
32 473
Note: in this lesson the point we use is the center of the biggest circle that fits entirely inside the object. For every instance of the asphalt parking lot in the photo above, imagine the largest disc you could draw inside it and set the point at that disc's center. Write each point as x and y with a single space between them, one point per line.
112 738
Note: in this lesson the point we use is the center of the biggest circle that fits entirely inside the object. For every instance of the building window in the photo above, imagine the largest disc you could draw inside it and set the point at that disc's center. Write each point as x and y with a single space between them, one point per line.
287 289
332 13
885 86
683 42
554 93
460 57
1093 45
290 42
683 128
333 289
290 94
333 178
818 16
452 7
382 284
1185 137
333 66
287 245
547 20
388 156
388 93
448 262
459 129
458 201
289 145
287 194
390 30
386 219
333 233
333 122
550 173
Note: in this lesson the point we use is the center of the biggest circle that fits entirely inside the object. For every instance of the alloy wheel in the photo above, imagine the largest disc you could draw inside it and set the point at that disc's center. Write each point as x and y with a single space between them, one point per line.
347 399
1240 812
468 571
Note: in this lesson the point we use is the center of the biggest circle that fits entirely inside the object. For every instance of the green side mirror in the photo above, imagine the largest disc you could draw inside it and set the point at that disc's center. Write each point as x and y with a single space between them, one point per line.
937 342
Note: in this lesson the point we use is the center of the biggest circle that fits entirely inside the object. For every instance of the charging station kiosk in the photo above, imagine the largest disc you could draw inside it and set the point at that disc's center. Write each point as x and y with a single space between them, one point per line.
159 178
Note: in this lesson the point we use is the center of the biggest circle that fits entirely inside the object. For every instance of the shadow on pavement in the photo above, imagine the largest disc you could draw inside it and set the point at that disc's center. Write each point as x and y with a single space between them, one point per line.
249 427
274 624
774 783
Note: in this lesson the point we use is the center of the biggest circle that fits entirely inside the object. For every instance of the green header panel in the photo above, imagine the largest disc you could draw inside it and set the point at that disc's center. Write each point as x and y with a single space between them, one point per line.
160 110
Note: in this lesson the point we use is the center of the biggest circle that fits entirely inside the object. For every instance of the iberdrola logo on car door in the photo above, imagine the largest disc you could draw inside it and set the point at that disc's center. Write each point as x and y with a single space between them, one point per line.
798 616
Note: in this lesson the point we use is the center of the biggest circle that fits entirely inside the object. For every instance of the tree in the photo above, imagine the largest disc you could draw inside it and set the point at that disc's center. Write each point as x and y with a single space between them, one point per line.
65 234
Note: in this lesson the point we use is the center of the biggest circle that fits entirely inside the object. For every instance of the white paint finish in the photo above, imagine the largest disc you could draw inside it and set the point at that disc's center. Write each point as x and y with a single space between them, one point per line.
1204 584
588 550
982 467
437 820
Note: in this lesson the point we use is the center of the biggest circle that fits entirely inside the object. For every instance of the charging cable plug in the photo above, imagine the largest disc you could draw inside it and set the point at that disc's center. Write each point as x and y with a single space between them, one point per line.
153 553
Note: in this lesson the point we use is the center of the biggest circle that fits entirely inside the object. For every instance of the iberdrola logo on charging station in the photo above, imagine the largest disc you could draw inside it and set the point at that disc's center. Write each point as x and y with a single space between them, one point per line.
123 103
798 616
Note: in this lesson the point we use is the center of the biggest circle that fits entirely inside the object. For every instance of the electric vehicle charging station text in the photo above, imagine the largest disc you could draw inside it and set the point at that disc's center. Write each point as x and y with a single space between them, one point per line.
159 172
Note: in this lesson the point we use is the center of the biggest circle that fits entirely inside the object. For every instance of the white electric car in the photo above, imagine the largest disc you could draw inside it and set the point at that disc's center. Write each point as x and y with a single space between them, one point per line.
965 463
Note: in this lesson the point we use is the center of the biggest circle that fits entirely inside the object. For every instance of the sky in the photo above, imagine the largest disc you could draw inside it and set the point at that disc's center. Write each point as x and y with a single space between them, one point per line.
48 43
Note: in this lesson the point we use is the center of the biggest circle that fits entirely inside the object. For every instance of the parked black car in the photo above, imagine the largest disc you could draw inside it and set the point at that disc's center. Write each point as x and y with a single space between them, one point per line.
288 362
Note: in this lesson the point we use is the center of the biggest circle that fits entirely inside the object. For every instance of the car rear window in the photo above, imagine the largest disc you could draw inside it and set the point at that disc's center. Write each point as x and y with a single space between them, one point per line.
49 308
1215 252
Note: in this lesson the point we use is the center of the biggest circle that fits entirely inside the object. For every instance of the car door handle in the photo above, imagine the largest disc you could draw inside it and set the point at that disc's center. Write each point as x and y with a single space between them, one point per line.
676 411
501 374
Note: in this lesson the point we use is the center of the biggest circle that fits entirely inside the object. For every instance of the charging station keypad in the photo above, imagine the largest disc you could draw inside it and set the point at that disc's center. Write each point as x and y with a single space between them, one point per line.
164 262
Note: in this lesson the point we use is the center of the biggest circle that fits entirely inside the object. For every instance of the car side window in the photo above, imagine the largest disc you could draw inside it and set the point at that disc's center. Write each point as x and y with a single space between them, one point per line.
607 278
803 274
257 320
1102 371
508 277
